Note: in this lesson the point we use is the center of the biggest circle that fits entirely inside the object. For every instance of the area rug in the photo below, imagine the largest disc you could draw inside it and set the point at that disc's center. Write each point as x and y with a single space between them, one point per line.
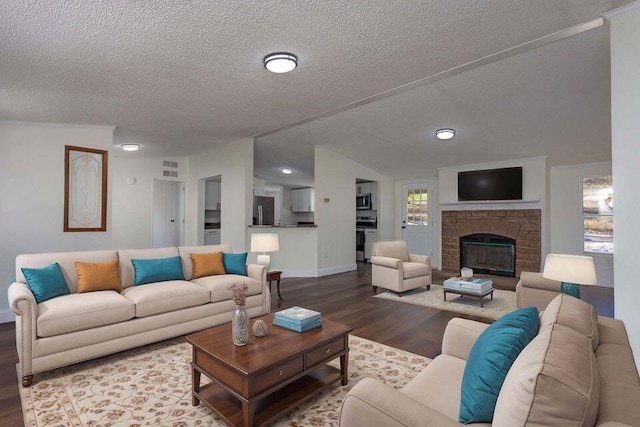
151 386
503 301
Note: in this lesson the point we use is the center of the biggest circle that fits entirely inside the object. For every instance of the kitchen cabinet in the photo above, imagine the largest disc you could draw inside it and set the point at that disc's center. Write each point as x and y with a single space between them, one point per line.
212 196
374 195
212 237
363 188
303 200
370 237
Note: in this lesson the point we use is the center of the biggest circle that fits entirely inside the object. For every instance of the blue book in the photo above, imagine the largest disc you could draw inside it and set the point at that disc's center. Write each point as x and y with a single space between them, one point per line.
298 315
296 322
312 325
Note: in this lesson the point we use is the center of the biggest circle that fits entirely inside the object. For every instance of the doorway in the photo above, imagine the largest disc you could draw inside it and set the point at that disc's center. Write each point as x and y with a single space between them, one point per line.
167 214
417 220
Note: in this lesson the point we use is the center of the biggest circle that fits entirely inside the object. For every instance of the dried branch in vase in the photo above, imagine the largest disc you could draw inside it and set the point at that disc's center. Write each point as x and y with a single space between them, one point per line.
239 292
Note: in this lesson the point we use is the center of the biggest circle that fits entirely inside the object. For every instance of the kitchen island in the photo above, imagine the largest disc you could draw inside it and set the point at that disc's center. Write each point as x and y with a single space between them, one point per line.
298 254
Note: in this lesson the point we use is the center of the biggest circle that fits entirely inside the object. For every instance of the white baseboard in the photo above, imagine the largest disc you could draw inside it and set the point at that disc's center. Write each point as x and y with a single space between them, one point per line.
337 269
320 273
7 316
299 273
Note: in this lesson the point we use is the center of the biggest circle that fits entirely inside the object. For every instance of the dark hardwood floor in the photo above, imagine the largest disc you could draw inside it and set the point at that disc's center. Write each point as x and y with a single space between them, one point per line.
344 298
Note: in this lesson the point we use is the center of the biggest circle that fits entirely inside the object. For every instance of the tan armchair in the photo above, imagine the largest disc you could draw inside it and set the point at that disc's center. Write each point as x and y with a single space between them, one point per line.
394 268
533 289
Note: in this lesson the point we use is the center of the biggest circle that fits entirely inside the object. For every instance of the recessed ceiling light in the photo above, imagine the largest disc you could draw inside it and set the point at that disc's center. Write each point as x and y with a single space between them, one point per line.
286 171
130 147
445 133
280 62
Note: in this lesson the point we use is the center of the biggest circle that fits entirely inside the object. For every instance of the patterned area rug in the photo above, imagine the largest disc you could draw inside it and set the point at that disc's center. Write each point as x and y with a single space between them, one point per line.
151 386
503 301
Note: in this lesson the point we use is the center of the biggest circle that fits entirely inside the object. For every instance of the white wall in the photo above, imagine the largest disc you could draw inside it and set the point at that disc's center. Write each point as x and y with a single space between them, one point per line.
625 126
565 220
234 163
533 184
132 203
32 194
298 254
335 179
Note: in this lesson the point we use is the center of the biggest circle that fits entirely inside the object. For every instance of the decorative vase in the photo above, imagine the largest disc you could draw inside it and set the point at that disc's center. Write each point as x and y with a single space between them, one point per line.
240 326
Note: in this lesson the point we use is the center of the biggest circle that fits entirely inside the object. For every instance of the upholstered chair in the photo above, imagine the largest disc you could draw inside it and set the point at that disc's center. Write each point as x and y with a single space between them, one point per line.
533 289
394 268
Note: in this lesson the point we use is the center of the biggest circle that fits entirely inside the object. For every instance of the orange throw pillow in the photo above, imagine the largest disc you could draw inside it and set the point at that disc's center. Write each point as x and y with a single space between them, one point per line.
207 264
98 276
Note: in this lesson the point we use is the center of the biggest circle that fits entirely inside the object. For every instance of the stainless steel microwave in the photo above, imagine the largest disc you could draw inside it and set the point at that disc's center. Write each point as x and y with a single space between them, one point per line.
363 201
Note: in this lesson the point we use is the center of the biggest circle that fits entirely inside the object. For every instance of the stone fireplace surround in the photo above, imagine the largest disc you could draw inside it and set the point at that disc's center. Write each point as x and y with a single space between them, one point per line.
523 225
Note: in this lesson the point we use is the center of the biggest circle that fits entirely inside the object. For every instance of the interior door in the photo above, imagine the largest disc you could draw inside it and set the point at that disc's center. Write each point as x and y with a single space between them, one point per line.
168 213
417 221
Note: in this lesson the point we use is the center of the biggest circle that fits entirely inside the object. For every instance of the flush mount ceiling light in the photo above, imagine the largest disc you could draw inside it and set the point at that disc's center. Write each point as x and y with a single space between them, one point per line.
286 171
445 134
130 147
280 62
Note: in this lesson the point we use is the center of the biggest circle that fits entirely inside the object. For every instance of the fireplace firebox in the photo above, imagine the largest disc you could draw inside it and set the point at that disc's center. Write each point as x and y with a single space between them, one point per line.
489 254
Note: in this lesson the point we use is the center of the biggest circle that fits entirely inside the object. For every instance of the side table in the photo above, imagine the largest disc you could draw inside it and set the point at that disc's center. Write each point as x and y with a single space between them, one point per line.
274 275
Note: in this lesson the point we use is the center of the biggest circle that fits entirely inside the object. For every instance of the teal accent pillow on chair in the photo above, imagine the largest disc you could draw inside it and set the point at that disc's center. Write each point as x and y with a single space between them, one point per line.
490 359
235 263
157 270
46 283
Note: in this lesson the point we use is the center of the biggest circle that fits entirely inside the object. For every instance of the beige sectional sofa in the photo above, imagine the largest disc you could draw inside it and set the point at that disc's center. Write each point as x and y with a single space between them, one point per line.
578 371
71 328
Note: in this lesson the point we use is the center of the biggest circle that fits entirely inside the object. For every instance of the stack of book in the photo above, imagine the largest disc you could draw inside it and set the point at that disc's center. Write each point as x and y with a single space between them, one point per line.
298 319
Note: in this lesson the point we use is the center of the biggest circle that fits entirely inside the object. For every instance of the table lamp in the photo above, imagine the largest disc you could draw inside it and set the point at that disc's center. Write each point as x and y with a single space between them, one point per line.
266 242
571 270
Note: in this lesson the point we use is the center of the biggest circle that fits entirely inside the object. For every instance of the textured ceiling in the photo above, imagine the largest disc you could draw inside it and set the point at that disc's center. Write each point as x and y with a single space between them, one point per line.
182 76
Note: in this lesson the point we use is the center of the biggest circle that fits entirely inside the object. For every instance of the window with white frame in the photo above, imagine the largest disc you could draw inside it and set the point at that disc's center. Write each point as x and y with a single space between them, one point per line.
597 214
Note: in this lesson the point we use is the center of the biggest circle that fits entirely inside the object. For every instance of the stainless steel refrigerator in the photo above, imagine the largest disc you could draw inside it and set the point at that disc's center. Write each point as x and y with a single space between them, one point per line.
263 210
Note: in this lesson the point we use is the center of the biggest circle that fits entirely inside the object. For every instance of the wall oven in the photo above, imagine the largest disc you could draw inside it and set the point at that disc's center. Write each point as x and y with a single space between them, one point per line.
363 201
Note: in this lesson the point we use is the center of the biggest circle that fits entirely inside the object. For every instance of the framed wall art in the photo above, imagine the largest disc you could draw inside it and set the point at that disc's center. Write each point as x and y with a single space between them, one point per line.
85 189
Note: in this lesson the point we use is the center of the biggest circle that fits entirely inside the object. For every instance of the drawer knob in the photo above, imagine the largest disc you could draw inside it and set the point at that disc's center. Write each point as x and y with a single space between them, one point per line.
281 372
328 350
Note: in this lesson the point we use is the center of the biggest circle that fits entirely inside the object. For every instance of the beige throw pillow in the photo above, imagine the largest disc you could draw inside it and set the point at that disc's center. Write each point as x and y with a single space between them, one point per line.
573 313
553 382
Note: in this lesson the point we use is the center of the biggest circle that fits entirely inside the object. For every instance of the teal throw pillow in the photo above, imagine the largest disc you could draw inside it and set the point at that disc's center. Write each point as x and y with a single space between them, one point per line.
46 283
489 361
235 263
157 270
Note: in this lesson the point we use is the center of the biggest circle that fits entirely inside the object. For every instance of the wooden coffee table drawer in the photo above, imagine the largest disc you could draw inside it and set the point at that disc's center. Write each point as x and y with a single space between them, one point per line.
324 352
278 374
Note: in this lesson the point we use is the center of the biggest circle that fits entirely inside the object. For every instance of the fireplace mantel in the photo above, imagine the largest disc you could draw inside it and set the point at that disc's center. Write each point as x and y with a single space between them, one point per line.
490 202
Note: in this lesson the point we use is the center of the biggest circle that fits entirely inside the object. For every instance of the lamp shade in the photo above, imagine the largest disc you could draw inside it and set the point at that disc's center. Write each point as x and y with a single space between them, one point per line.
577 269
267 242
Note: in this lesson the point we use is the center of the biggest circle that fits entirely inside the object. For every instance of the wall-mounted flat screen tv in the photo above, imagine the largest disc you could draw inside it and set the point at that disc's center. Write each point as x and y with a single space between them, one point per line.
490 184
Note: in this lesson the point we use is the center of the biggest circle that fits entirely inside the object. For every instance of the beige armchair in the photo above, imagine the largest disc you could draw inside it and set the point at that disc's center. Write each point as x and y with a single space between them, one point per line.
533 289
394 268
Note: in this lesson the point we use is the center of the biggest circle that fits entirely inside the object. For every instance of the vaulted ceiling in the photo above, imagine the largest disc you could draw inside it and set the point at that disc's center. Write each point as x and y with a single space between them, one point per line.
182 77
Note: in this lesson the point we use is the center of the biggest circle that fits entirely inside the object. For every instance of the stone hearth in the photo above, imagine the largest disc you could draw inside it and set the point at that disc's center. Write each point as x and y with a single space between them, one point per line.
522 225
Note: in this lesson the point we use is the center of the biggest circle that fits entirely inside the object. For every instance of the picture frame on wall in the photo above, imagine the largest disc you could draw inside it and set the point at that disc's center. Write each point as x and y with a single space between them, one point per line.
85 189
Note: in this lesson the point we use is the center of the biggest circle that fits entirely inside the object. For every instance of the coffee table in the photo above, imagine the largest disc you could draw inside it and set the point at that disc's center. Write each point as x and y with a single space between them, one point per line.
262 381
470 294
